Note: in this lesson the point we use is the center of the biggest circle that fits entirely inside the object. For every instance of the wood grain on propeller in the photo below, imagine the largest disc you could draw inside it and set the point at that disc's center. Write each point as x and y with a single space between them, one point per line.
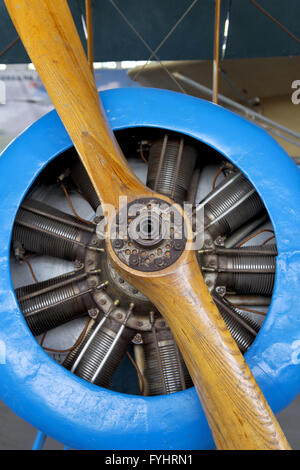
50 37
236 410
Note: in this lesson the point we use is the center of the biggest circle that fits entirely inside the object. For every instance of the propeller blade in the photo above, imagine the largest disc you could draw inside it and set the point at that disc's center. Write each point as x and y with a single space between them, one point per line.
237 412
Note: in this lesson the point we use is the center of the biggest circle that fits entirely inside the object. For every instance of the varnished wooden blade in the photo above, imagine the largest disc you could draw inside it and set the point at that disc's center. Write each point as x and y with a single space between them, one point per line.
236 410
52 42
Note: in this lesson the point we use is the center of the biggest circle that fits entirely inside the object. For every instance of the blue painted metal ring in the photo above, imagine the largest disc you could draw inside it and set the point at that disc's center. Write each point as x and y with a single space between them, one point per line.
82 415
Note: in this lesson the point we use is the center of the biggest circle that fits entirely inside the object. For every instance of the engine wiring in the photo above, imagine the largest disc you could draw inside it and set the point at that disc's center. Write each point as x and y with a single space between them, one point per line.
63 187
77 342
25 259
268 239
216 176
241 307
255 234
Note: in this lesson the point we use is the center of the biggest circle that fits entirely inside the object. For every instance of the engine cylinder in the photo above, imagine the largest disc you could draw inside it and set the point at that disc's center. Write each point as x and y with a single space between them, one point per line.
73 354
248 274
171 166
243 337
52 303
165 370
45 230
232 203
101 350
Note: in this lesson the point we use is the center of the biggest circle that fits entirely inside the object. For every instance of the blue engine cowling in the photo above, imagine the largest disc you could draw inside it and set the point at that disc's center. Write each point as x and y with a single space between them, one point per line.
85 416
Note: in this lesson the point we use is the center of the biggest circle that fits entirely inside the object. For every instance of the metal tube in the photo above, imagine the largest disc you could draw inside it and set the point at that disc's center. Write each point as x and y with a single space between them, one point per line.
39 441
249 300
241 233
108 352
243 251
230 209
161 160
238 318
101 365
59 237
234 104
214 193
69 280
34 207
89 26
76 363
192 191
178 163
282 136
82 352
216 52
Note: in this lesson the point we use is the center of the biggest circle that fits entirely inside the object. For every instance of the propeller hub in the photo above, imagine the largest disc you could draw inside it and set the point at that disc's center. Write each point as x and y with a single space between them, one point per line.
148 234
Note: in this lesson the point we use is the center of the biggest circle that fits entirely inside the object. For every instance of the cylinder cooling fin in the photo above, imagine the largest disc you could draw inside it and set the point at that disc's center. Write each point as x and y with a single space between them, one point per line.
107 337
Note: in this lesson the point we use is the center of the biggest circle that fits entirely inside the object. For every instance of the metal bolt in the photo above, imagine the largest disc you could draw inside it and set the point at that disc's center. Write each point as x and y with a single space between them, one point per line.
177 245
93 312
117 244
137 339
221 290
219 241
159 262
102 301
133 260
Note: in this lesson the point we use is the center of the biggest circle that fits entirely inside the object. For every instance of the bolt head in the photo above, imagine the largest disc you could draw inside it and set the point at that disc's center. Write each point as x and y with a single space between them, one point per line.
133 260
219 241
118 244
159 262
177 245
137 339
93 312
221 290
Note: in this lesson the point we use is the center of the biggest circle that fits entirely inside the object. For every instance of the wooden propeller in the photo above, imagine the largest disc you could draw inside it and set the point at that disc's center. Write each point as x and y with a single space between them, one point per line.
235 407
